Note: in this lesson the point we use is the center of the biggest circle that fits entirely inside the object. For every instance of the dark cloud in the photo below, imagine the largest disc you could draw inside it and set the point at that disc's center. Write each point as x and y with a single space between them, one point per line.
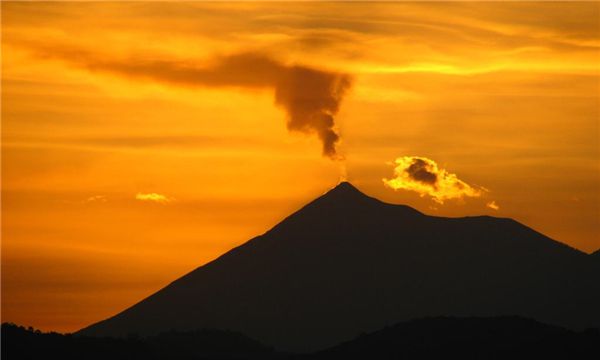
418 170
310 97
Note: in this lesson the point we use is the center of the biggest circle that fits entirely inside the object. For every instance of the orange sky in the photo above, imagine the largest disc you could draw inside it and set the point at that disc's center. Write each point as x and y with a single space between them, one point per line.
116 182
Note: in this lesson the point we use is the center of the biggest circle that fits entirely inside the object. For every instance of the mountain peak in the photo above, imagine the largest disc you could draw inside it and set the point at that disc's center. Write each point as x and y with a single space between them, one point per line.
345 193
346 187
345 198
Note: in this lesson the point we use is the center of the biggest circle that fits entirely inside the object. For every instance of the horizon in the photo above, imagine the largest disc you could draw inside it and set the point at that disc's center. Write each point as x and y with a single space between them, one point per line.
141 140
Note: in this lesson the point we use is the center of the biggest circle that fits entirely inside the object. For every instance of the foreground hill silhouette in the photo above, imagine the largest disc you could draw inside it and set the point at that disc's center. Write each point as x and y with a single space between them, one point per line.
347 263
430 338
469 338
19 343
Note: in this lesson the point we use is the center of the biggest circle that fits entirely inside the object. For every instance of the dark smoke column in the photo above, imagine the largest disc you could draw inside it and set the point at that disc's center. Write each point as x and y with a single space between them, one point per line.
311 99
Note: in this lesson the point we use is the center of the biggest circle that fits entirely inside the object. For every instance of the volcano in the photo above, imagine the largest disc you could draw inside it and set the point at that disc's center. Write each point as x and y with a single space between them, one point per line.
347 263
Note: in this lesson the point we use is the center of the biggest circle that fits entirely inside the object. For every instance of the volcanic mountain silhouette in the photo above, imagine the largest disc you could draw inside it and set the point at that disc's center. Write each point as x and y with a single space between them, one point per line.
347 263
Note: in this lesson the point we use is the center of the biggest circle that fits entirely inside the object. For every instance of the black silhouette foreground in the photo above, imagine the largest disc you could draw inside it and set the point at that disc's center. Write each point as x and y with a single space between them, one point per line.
347 263
469 338
21 343
431 338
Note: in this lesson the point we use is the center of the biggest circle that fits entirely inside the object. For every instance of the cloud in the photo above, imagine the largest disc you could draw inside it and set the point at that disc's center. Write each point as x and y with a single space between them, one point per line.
154 197
492 205
422 175
97 198
137 142
310 97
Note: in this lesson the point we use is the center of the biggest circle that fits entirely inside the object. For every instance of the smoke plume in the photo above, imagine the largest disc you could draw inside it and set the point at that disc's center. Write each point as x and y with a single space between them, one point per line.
310 97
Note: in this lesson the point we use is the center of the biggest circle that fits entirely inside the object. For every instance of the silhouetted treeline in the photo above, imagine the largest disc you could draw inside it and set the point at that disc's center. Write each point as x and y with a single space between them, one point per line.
27 343
431 338
470 338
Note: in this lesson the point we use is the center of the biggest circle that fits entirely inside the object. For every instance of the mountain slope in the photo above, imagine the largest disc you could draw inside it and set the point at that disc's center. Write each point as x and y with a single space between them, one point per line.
469 338
347 263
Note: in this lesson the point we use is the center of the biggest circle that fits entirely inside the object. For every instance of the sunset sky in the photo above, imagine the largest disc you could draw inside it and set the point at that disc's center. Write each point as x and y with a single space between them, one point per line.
141 140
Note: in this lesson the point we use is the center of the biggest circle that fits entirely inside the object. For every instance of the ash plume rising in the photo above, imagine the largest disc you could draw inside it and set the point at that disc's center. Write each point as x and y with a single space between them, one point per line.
310 97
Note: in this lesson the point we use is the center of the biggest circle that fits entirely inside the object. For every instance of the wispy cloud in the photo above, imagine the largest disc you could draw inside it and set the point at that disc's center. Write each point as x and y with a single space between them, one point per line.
492 205
97 198
424 176
137 142
153 197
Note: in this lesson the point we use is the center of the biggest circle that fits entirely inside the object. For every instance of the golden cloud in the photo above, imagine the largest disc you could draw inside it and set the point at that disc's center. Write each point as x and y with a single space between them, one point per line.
424 176
97 198
492 205
154 197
